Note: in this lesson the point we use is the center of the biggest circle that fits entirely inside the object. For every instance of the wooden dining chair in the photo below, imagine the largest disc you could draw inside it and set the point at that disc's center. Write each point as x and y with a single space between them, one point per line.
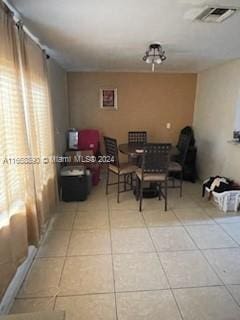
121 170
137 137
155 163
176 168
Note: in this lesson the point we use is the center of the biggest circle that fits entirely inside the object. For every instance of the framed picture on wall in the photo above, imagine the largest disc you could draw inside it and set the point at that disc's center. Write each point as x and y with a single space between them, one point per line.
108 99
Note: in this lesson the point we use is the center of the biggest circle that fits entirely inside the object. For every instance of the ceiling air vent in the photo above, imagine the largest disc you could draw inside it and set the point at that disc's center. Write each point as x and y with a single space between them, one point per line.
215 14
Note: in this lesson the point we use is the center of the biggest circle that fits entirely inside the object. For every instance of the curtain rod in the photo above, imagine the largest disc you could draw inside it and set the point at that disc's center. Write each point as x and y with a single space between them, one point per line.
18 20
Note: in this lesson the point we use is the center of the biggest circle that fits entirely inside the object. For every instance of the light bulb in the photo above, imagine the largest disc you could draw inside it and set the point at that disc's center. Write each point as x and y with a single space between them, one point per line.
149 60
158 60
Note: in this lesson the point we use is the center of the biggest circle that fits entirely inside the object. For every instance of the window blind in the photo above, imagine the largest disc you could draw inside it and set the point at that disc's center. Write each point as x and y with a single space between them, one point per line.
13 142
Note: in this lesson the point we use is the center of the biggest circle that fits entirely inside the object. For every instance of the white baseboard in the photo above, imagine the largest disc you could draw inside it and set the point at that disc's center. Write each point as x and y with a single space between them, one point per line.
13 288
20 275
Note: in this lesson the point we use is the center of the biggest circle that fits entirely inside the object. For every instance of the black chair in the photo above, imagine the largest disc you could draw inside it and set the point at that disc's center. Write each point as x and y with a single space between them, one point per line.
155 163
186 131
124 170
176 167
137 137
189 170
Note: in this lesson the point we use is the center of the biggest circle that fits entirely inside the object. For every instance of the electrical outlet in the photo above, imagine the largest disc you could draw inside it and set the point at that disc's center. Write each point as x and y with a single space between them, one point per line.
168 125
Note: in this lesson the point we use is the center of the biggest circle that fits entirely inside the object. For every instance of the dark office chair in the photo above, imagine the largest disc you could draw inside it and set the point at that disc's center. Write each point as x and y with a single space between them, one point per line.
155 163
124 170
176 167
189 170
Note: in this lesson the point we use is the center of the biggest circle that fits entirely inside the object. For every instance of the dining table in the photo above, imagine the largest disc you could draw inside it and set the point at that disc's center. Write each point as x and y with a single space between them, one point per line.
136 149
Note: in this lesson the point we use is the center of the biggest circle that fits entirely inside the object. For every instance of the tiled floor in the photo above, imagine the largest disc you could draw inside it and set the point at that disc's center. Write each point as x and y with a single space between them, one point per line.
106 261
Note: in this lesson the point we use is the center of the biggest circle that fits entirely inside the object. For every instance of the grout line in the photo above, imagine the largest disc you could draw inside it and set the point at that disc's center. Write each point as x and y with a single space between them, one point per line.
226 232
110 229
215 223
113 272
220 225
164 271
227 285
122 292
202 254
36 258
42 240
213 269
127 291
229 291
231 294
134 253
64 262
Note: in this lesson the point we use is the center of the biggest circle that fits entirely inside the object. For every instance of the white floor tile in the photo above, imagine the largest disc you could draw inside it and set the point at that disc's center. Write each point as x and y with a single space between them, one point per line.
90 242
148 305
233 229
87 274
88 307
226 262
210 236
171 239
131 240
138 272
207 303
126 259
188 269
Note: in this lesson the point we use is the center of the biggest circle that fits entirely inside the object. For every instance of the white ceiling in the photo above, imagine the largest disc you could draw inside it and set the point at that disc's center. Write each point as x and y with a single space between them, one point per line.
112 35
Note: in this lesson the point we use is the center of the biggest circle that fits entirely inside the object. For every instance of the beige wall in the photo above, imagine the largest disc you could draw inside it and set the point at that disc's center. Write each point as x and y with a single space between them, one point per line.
58 87
147 101
218 92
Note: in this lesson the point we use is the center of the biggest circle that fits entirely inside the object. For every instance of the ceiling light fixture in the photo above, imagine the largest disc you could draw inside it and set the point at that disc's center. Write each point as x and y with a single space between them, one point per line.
154 54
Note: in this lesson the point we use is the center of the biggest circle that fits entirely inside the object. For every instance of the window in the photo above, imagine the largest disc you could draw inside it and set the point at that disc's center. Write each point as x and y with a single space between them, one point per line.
13 142
27 191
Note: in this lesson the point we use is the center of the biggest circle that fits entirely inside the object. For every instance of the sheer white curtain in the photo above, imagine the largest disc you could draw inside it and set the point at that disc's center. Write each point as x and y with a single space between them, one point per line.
27 191
13 144
39 123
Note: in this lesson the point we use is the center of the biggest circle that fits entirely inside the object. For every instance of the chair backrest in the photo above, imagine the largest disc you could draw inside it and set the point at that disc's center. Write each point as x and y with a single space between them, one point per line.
183 147
188 131
156 157
111 148
137 137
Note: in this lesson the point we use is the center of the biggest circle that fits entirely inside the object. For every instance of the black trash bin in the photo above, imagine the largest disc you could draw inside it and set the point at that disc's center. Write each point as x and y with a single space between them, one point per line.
74 185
